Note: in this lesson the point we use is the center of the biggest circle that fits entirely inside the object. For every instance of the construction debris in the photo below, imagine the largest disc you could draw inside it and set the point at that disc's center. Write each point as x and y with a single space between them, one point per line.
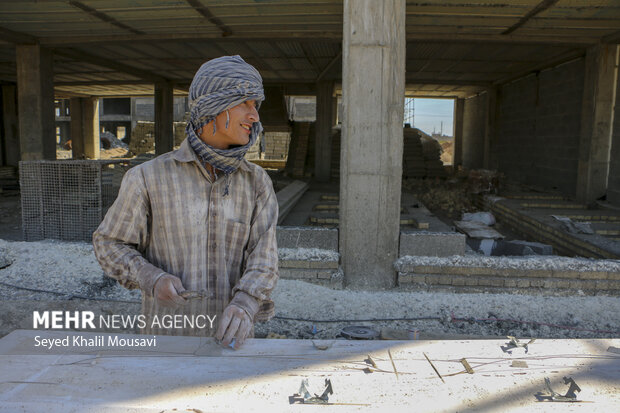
359 333
514 343
574 227
434 368
307 398
570 395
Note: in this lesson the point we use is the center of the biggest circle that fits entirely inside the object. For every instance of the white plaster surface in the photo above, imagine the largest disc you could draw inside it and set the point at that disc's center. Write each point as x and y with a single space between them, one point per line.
186 373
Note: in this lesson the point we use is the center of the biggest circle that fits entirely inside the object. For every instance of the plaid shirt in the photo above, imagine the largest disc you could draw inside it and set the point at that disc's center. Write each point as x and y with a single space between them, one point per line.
171 218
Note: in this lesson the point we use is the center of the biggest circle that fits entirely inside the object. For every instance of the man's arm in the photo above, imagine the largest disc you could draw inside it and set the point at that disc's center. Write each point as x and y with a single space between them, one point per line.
122 238
251 295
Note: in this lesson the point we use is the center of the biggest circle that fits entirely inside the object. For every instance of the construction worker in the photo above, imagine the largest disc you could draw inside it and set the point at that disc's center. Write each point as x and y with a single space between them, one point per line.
195 229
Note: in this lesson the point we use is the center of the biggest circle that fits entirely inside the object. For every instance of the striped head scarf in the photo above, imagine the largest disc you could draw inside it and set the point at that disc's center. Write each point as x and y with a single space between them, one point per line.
219 85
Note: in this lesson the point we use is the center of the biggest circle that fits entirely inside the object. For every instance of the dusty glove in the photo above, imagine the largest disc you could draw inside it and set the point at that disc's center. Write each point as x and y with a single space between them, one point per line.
167 289
235 324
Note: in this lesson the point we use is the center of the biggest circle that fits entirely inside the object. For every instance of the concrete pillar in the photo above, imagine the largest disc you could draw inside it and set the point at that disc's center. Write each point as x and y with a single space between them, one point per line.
323 131
596 122
491 127
459 112
11 149
35 92
164 118
85 128
373 83
613 182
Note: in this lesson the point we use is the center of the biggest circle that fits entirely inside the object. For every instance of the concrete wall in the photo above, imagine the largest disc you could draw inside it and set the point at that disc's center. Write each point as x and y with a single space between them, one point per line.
538 127
474 127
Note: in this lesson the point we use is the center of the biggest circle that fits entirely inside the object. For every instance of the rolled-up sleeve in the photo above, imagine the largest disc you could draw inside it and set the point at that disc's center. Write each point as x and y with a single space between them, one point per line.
121 239
253 291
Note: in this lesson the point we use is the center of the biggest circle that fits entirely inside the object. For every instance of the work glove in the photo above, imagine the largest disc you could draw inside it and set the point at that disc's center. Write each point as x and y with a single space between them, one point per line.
167 289
234 325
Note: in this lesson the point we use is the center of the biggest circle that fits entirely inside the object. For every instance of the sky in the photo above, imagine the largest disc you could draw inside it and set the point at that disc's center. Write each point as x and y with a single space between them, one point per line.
430 113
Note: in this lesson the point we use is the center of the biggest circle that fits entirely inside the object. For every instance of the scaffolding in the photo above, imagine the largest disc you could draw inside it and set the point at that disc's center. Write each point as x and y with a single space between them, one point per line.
409 111
67 199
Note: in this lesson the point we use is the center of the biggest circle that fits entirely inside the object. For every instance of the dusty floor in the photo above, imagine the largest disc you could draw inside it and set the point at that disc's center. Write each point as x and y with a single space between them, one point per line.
67 274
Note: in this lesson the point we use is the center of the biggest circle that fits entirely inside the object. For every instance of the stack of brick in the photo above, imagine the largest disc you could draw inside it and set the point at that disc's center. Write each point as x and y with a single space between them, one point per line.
179 132
413 156
432 157
317 272
142 138
565 275
335 161
298 149
277 143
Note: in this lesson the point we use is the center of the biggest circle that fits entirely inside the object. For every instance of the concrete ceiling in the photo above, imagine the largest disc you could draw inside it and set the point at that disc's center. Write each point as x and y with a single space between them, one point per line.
454 47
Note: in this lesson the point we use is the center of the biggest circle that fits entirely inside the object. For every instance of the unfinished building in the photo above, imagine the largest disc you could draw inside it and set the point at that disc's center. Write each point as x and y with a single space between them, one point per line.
534 85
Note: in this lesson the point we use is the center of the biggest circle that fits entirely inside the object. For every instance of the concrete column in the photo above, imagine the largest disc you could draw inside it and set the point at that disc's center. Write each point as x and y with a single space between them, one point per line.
373 83
85 128
596 122
459 112
35 92
323 131
11 147
613 182
164 118
491 127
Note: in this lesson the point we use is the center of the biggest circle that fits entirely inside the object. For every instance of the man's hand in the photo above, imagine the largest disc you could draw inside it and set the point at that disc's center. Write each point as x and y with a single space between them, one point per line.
167 290
235 324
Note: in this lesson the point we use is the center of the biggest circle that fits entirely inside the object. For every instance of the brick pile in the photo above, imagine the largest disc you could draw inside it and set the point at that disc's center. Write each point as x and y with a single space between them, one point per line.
298 148
413 154
277 143
143 136
552 281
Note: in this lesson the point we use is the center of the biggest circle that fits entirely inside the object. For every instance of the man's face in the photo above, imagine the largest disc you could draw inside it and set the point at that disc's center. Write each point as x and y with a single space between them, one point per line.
240 123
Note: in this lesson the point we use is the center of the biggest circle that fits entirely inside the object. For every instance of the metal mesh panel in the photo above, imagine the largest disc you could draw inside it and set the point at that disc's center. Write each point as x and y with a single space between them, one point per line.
67 199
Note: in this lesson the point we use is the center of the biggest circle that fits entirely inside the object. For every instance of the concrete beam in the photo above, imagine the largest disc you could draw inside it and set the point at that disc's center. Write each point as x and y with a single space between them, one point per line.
82 56
10 122
164 118
373 84
85 128
323 131
35 97
596 122
459 108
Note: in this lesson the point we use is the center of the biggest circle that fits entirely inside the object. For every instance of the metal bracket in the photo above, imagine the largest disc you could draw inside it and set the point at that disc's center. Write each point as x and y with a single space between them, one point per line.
304 396
515 343
554 396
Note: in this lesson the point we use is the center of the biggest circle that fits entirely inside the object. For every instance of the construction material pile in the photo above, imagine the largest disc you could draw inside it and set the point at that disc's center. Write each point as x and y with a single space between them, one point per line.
453 197
421 155
143 136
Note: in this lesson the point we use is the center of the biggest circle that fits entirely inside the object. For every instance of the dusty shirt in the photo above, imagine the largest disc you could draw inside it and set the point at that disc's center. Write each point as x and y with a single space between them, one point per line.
171 218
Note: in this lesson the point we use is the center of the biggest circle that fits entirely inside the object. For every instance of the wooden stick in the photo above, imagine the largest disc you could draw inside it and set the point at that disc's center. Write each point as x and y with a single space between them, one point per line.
431 363
393 365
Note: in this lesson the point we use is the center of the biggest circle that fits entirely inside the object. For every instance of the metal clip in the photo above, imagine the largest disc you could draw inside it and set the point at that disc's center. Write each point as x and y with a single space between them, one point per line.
514 343
554 396
316 399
